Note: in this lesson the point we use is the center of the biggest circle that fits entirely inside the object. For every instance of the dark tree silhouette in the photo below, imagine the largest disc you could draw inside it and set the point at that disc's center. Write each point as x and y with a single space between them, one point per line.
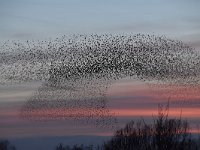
5 145
61 147
163 134
76 147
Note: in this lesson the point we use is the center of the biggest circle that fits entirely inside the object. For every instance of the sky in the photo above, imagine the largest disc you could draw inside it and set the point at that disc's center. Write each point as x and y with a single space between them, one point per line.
42 19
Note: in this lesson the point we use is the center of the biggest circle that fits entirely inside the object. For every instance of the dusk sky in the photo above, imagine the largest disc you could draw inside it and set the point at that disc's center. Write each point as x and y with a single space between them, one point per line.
129 99
41 19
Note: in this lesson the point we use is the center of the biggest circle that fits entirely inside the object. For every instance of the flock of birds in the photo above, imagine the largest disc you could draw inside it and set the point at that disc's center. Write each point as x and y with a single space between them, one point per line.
75 71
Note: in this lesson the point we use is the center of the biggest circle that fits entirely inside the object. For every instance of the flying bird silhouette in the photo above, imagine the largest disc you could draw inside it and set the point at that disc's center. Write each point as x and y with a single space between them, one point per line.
76 71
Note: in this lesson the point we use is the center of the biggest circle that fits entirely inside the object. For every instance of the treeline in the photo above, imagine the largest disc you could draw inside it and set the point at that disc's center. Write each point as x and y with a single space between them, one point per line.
163 134
6 145
78 147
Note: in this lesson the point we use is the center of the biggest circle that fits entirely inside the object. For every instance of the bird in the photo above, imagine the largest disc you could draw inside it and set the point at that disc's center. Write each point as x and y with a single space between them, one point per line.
75 71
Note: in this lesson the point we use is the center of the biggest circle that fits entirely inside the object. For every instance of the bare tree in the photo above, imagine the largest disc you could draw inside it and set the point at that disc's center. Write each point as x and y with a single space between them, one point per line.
163 134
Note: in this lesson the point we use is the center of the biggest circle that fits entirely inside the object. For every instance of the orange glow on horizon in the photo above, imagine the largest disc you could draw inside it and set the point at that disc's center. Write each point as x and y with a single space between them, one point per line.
173 112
